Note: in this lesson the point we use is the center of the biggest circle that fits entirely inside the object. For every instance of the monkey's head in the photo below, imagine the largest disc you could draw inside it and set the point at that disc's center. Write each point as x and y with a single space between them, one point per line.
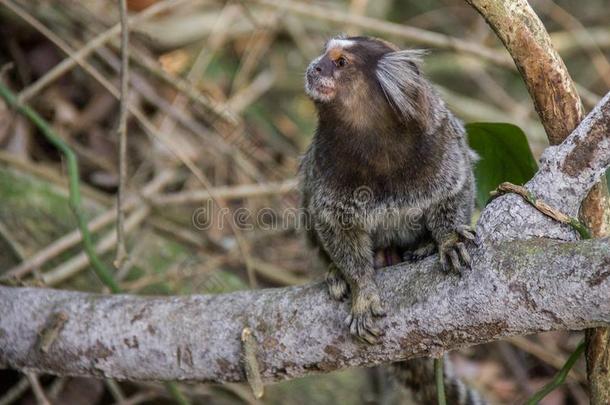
362 76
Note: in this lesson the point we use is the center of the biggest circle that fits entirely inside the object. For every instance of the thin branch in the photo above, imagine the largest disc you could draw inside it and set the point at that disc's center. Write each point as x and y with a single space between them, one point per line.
276 274
543 207
41 397
115 390
215 40
177 394
258 44
568 42
184 86
249 94
179 83
228 192
121 253
50 174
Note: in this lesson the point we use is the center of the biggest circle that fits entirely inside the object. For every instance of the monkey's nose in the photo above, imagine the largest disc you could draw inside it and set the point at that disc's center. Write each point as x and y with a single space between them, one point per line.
323 68
320 70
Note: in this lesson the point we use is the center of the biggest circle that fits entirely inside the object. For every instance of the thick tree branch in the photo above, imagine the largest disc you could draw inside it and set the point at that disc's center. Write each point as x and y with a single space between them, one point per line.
515 287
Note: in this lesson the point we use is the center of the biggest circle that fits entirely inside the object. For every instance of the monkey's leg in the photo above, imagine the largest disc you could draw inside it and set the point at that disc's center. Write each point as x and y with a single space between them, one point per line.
337 286
351 252
447 222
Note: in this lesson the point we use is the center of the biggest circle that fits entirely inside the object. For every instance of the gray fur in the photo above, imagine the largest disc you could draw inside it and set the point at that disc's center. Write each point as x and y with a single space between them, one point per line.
400 177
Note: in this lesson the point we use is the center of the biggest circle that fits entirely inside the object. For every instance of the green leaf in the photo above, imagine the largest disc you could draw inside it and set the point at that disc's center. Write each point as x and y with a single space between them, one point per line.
505 156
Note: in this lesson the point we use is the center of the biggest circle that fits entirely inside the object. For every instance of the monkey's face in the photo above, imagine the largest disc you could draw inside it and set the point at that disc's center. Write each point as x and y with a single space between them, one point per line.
363 79
346 70
332 74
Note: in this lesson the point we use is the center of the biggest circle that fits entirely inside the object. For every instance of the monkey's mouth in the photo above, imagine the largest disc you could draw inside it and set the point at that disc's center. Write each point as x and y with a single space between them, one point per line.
321 93
320 89
326 90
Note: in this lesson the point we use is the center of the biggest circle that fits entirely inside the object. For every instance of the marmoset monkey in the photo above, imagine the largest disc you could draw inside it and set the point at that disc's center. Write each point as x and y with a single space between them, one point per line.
388 167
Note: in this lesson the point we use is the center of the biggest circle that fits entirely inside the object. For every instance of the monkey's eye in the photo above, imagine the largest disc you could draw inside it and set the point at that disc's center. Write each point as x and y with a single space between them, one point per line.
341 62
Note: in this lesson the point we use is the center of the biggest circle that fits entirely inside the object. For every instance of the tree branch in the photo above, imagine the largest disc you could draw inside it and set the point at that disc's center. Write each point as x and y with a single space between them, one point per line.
515 288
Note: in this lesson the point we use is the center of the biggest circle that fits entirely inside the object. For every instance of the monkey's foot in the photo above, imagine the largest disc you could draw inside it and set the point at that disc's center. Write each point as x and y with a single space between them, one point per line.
337 286
366 305
420 253
452 251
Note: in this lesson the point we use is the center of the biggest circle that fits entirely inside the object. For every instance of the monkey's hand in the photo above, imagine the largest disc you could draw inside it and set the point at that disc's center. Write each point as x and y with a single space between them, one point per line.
452 249
366 305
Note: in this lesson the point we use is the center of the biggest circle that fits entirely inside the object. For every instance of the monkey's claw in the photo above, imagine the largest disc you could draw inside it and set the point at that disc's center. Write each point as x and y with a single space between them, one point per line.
467 232
366 305
452 251
337 286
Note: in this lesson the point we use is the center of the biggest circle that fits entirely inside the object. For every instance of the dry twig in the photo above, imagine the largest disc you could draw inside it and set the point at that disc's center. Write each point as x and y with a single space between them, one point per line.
121 252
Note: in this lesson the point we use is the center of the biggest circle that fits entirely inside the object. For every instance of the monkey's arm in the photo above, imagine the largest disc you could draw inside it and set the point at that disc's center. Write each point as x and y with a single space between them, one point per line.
350 250
447 221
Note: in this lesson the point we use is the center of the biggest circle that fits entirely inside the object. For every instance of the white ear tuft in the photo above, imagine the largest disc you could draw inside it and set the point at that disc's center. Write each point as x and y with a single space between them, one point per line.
339 41
399 77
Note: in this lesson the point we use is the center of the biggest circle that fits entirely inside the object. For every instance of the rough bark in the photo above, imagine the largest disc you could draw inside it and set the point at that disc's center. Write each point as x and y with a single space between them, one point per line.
560 110
515 287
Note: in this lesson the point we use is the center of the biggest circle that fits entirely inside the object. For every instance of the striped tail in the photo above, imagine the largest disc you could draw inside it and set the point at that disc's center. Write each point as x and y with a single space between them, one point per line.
417 375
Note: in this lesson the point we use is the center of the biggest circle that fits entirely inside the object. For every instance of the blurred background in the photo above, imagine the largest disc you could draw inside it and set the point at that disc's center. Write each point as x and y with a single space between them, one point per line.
218 119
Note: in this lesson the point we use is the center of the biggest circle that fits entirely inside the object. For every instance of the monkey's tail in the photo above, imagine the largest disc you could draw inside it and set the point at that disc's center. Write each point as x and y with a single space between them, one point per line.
417 375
